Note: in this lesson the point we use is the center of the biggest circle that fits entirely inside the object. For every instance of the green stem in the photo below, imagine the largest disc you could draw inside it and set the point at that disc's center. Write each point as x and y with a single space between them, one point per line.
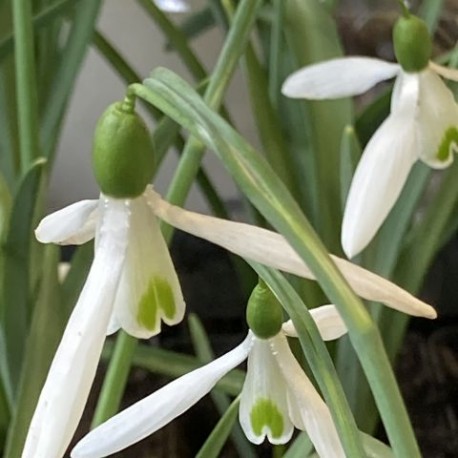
115 379
219 80
25 83
177 39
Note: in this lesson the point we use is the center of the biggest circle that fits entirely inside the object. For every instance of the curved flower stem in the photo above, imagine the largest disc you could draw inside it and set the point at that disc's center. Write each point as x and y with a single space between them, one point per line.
26 89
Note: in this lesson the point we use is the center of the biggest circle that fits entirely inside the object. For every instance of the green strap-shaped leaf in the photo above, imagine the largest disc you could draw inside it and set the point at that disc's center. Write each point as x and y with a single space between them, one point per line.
260 184
47 326
15 279
312 35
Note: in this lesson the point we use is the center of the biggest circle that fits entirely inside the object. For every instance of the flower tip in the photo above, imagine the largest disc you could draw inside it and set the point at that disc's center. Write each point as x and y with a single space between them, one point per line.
430 312
289 329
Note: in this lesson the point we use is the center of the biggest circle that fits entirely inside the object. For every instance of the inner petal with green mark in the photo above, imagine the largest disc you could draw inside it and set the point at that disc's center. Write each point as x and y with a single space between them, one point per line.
157 300
265 413
449 141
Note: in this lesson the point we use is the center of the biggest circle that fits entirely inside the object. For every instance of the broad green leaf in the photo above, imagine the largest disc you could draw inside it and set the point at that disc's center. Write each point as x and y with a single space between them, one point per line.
45 332
14 281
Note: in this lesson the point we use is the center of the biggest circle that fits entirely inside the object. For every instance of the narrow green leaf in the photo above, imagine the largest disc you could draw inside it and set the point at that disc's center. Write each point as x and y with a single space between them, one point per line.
40 20
205 354
216 440
430 11
115 379
300 448
312 34
176 38
45 332
14 280
76 277
171 364
196 24
258 181
80 36
350 153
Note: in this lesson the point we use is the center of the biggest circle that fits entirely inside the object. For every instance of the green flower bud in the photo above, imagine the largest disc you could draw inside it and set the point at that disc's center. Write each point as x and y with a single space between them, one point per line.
122 158
264 313
412 43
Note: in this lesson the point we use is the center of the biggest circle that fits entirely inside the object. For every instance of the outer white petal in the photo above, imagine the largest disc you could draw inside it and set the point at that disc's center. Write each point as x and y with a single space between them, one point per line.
437 121
381 173
338 78
307 409
172 6
149 290
264 397
269 248
72 371
155 411
73 225
328 321
446 72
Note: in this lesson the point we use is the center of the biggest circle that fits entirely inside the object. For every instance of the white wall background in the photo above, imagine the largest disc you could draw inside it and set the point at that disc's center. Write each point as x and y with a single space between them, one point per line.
137 38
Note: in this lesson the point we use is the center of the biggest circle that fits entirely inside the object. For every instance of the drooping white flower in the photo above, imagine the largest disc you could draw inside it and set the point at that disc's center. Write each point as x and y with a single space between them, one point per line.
173 6
132 280
276 397
422 125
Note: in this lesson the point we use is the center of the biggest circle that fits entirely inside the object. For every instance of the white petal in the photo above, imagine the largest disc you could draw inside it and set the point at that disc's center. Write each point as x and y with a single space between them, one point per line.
328 321
173 6
382 172
149 290
155 411
263 408
307 409
446 72
73 225
72 371
437 121
338 78
269 248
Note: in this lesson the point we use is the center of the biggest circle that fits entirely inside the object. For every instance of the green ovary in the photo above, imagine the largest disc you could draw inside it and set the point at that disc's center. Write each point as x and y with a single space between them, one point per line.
158 296
266 413
450 136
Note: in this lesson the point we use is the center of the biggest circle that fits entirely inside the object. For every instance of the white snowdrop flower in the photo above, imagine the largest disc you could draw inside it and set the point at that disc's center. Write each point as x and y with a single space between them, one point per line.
132 283
276 397
173 6
422 124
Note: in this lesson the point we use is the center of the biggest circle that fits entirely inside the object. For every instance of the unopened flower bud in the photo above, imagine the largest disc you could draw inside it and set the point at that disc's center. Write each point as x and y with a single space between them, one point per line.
123 158
412 43
264 313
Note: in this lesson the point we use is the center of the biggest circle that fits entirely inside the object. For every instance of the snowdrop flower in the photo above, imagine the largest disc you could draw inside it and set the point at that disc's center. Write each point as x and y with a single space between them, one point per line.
422 124
276 396
132 283
172 6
